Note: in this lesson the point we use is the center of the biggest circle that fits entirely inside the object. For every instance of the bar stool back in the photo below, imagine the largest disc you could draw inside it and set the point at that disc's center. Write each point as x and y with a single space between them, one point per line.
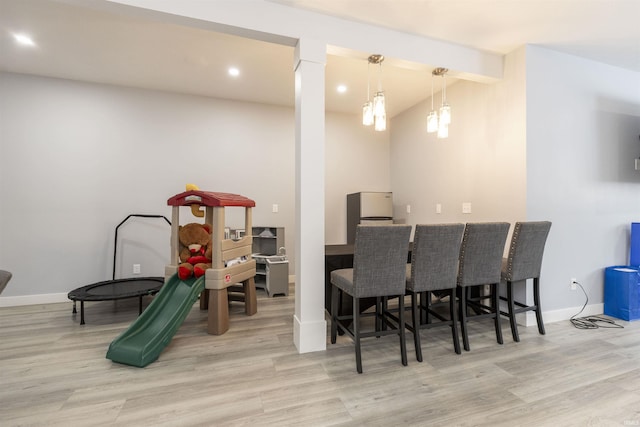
525 262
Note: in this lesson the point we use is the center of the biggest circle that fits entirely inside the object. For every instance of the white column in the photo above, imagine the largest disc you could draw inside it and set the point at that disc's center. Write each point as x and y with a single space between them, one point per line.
309 324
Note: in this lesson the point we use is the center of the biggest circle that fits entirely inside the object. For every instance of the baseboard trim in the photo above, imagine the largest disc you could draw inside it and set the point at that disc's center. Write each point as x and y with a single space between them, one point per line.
309 336
529 318
33 299
568 313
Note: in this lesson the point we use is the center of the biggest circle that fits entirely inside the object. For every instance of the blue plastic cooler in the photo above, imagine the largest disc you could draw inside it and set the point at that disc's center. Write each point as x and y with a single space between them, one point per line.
622 292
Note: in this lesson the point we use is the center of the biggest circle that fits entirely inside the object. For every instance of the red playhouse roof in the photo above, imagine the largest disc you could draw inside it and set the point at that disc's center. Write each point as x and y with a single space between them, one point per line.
209 198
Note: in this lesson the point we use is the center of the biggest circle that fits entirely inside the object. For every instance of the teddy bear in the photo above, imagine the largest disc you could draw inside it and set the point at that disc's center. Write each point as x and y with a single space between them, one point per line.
195 250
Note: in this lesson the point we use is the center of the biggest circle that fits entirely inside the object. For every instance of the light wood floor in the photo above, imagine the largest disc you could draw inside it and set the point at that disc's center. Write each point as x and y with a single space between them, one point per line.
54 372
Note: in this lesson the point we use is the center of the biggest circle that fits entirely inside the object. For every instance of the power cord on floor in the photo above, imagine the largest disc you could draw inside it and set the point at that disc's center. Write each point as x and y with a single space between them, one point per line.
591 322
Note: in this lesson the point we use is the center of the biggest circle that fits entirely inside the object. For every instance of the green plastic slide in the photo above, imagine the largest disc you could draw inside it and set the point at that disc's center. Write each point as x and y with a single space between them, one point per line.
152 331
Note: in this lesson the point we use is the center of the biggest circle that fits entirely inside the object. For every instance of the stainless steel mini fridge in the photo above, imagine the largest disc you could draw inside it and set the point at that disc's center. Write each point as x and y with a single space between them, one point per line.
368 208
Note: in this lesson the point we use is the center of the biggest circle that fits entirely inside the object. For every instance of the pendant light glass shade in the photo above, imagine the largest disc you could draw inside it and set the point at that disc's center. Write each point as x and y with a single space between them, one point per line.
378 104
432 122
381 122
367 113
443 130
445 114
379 112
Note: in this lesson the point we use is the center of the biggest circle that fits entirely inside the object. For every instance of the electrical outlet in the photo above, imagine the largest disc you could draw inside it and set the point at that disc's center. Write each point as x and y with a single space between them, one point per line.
574 284
136 268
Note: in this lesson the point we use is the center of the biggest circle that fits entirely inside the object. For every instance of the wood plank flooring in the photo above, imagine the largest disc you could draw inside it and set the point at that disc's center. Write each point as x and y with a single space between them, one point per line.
53 371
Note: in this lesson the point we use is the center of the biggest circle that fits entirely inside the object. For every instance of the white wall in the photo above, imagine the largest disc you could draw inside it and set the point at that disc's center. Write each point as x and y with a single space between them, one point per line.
357 160
77 158
482 161
583 123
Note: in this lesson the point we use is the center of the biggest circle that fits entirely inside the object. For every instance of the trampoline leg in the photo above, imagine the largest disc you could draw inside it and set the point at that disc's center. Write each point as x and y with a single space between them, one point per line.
82 312
140 306
74 308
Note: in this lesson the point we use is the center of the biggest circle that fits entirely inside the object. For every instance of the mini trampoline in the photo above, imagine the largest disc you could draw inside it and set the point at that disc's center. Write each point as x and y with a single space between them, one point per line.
118 288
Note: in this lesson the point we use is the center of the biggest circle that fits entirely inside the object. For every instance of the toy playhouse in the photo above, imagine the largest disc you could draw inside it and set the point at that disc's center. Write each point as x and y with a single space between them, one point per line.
232 263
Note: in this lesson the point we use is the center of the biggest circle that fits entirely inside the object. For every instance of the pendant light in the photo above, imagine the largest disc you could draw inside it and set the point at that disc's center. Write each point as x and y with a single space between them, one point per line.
445 109
367 107
375 112
439 121
432 117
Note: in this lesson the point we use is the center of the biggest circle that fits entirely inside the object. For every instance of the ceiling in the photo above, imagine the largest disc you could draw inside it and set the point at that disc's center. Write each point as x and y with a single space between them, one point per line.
603 30
86 44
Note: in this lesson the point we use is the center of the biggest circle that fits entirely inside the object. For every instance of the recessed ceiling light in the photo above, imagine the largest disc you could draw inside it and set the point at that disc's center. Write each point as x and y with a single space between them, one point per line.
341 89
233 71
24 39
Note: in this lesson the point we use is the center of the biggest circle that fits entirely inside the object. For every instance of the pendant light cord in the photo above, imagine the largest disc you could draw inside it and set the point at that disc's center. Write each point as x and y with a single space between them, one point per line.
444 88
431 91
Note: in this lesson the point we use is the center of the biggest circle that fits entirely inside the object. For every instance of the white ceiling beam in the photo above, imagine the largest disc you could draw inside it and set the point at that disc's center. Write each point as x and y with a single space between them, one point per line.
275 23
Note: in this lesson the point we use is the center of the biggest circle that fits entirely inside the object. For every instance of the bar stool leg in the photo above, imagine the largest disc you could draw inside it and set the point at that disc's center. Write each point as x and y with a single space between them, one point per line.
536 301
495 298
415 315
512 312
356 333
463 318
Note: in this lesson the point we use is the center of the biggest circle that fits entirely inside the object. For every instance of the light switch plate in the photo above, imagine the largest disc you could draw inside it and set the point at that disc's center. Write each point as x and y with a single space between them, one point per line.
466 208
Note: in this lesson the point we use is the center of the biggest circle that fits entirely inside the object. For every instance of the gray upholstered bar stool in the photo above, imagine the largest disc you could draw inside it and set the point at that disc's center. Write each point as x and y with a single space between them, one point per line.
5 276
434 267
379 270
525 262
480 263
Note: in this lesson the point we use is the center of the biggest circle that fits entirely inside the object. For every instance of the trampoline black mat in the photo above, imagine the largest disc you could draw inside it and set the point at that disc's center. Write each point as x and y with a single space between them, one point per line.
115 289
